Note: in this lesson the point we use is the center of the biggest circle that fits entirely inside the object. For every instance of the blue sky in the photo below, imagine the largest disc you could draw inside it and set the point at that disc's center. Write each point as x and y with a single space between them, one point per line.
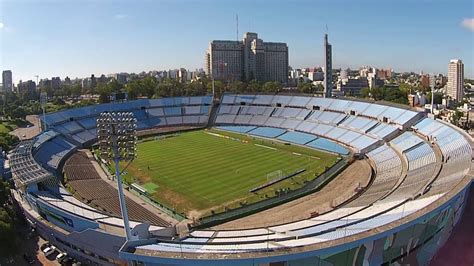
78 38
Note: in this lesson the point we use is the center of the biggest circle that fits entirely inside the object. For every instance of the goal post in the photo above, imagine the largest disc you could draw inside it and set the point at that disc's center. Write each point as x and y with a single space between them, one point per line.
274 175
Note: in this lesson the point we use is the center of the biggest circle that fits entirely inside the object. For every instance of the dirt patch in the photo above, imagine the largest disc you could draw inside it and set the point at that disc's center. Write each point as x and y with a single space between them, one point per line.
341 188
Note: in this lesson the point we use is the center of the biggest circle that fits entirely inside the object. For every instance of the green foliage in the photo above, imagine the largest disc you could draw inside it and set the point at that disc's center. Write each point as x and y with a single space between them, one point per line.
456 117
7 141
18 112
141 87
438 97
396 95
272 87
365 93
254 86
8 234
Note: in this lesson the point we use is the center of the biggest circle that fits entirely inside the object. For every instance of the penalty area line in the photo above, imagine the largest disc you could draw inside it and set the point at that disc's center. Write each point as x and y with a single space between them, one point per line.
263 146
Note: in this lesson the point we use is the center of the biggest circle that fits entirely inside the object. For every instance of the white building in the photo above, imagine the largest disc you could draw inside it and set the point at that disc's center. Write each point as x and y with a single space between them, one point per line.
249 59
455 86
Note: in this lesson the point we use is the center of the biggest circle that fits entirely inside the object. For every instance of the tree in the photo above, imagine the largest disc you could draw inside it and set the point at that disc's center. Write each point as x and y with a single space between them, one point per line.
406 88
104 93
237 87
272 87
396 95
438 97
18 112
76 90
365 92
254 86
305 87
377 93
457 115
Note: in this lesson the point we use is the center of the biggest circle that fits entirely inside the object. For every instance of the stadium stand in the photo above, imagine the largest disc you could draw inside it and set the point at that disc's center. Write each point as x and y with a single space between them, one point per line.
418 182
327 145
268 132
297 137
88 186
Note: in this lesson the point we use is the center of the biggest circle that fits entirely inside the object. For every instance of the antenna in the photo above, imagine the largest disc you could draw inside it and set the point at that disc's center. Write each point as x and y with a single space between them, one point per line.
237 26
327 29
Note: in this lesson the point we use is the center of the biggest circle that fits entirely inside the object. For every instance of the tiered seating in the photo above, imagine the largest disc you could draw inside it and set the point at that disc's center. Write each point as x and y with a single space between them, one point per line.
68 128
327 145
275 121
88 123
53 151
329 116
383 130
44 137
256 110
406 141
297 137
455 148
388 164
361 124
79 124
267 132
420 156
238 129
88 186
25 169
78 167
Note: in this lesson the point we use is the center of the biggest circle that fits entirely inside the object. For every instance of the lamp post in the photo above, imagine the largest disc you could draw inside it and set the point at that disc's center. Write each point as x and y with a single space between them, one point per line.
117 141
432 79
44 101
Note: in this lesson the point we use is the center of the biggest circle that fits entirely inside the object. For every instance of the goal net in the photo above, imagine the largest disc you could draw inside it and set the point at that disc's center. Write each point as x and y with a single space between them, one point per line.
274 175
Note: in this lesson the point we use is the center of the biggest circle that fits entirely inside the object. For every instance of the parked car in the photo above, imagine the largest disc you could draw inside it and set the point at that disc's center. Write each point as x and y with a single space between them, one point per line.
49 250
45 245
67 261
61 256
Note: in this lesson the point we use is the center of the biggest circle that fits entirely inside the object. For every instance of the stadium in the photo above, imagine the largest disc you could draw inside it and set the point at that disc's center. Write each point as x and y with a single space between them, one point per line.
249 180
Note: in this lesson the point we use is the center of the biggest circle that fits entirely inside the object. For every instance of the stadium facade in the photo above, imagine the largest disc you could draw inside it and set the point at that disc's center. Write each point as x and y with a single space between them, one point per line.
422 174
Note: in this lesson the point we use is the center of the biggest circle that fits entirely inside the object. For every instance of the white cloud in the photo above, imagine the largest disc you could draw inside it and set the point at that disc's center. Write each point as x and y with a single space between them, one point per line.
121 16
2 25
468 23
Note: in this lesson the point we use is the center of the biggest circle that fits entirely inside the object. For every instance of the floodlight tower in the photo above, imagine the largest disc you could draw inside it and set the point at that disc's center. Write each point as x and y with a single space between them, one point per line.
117 141
432 78
43 101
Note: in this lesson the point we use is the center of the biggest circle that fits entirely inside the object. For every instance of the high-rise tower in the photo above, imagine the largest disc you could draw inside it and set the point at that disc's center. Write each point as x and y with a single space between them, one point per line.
455 86
7 81
327 67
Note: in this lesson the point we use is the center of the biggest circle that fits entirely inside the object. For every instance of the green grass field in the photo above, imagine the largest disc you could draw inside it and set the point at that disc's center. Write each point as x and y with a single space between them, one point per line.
198 172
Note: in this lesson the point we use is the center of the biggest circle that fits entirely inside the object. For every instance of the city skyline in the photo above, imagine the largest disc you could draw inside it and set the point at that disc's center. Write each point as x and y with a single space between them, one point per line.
102 38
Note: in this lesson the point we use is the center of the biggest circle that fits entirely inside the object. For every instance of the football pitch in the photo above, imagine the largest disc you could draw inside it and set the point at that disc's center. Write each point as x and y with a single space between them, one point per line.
200 171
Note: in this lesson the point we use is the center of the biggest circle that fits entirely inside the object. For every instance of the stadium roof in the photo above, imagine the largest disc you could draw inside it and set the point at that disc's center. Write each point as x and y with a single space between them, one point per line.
25 169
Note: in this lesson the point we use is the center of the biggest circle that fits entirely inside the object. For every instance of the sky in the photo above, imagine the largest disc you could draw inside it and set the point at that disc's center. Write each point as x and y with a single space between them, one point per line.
79 38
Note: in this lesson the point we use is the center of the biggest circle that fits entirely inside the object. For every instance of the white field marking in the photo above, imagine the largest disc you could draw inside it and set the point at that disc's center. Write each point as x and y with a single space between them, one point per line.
314 157
214 134
263 146
295 153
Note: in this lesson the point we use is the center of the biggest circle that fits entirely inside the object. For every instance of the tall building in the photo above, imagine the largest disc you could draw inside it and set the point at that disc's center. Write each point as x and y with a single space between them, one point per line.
26 87
352 87
455 87
55 83
249 59
7 81
327 67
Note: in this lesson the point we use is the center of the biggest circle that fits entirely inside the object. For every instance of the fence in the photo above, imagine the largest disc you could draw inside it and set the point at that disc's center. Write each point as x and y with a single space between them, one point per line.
309 188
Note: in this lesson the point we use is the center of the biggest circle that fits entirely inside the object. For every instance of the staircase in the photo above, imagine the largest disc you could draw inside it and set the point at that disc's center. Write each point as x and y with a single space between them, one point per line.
213 113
